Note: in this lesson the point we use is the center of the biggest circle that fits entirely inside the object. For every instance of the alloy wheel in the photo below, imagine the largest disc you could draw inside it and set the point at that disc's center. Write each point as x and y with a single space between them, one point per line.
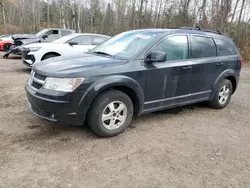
114 115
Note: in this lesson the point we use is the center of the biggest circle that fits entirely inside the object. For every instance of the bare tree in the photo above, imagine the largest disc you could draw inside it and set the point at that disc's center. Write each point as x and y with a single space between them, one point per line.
2 4
235 8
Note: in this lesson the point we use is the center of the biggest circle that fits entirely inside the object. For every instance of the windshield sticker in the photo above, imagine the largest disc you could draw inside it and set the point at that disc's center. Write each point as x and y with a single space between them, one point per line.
143 36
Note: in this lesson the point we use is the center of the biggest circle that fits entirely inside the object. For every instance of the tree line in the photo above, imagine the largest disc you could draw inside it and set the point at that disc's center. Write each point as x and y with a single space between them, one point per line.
114 16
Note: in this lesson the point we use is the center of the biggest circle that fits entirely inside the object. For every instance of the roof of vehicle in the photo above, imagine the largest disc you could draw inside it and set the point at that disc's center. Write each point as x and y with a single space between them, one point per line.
187 30
61 29
73 35
94 34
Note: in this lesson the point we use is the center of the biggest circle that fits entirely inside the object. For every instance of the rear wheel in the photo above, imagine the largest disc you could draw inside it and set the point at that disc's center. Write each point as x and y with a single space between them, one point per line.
111 113
48 56
6 46
223 95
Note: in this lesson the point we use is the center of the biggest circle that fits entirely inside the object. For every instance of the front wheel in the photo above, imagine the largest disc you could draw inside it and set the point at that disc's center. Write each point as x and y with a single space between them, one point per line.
6 46
223 95
111 113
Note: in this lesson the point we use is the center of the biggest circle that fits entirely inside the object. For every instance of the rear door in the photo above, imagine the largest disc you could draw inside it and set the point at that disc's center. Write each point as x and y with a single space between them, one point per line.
168 83
227 54
206 69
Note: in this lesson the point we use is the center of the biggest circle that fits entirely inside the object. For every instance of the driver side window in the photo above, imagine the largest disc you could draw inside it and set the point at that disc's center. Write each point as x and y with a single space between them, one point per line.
52 35
82 40
175 47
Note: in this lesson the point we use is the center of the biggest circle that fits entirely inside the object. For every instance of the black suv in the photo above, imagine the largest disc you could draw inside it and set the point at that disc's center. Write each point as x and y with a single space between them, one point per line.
133 73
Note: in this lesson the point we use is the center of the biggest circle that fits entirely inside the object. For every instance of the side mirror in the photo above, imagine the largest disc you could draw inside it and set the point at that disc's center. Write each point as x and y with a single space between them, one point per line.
73 43
156 57
44 37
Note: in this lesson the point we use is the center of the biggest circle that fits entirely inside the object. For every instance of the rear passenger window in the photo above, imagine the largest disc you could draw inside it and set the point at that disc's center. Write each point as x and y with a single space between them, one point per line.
224 48
202 47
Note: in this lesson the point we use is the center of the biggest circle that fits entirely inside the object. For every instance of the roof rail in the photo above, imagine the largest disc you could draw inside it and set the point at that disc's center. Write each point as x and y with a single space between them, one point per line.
197 28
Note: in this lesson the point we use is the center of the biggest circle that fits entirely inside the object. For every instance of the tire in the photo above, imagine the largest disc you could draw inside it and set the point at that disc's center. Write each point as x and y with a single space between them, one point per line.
6 46
105 122
48 56
224 90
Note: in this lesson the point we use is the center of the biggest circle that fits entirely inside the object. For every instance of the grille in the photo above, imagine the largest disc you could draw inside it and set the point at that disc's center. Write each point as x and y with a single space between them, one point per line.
36 80
31 57
36 85
39 76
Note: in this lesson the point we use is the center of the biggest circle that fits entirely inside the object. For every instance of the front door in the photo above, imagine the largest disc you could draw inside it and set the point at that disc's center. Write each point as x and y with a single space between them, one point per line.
168 83
82 44
52 35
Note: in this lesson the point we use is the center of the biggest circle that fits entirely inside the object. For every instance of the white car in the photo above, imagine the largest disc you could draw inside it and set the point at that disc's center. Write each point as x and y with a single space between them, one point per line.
69 45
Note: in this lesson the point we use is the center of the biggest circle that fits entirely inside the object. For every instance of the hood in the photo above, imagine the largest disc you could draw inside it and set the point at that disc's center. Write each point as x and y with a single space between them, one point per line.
74 66
23 36
37 44
30 41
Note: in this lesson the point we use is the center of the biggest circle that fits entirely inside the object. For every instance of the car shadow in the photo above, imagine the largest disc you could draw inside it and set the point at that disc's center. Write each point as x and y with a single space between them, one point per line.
12 57
177 110
45 130
23 70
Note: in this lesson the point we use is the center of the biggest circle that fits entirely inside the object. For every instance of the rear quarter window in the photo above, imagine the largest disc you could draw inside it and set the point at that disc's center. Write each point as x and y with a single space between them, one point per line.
225 48
202 47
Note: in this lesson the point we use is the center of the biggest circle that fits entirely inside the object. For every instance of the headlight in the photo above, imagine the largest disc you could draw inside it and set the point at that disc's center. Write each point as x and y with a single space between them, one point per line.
34 49
62 84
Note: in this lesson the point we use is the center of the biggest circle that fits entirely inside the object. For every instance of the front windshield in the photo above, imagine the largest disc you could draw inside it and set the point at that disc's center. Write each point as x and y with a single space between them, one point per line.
41 33
64 39
127 44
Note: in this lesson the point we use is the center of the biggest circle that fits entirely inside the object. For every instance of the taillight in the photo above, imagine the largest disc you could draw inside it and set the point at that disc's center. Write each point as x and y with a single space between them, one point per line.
241 61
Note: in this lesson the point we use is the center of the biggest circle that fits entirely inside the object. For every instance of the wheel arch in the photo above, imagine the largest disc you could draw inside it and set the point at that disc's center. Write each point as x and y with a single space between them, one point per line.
227 74
233 80
50 52
6 43
121 83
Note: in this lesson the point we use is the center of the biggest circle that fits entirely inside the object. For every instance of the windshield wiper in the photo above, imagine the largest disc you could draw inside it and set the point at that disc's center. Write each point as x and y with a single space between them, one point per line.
103 53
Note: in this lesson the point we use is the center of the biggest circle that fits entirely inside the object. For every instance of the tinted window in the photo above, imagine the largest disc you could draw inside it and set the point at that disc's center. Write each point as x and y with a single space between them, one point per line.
176 47
65 32
52 32
82 40
99 40
202 47
224 48
52 35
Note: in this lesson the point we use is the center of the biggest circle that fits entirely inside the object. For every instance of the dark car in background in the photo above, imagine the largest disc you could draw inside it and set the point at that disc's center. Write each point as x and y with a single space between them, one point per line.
134 73
46 35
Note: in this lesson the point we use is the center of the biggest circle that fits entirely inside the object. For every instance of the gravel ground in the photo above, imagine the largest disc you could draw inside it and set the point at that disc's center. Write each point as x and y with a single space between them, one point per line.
192 146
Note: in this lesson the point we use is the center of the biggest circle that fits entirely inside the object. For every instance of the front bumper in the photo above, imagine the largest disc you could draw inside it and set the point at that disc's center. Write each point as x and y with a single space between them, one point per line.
17 50
28 59
57 109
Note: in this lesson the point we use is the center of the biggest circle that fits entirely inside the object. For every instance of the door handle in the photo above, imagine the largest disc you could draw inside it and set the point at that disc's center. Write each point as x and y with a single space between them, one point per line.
219 64
187 68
